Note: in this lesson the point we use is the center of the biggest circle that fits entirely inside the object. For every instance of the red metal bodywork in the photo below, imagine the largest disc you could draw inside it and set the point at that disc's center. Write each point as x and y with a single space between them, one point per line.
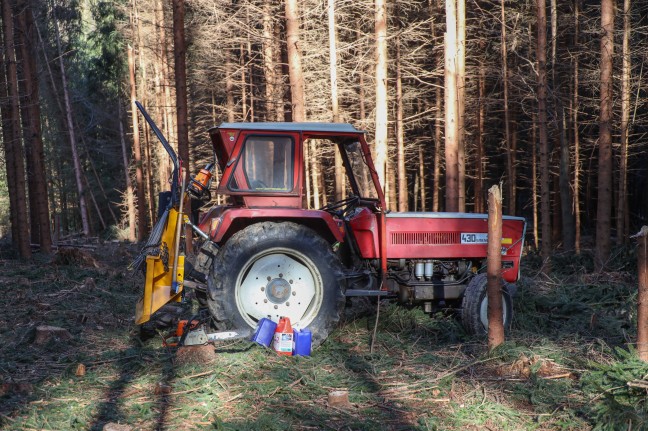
436 236
227 217
429 236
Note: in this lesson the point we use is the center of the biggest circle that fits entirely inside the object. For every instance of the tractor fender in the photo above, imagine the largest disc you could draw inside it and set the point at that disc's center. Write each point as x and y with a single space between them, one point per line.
223 224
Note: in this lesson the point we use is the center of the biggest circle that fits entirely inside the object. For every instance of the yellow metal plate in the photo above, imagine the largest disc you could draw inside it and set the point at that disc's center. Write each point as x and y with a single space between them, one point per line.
157 288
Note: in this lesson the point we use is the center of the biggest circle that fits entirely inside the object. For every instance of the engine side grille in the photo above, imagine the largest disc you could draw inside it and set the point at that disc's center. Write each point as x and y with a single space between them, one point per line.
424 238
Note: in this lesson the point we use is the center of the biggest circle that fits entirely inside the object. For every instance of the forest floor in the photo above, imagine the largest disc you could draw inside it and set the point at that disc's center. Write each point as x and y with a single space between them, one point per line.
567 363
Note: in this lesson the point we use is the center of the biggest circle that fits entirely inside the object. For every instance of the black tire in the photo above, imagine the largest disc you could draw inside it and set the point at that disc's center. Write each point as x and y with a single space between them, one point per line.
474 306
262 268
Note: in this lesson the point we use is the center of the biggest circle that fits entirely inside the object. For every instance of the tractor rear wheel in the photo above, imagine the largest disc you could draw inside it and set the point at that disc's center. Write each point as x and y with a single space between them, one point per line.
275 270
474 307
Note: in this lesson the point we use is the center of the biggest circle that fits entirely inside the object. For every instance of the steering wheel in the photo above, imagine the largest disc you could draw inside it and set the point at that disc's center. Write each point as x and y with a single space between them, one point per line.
348 203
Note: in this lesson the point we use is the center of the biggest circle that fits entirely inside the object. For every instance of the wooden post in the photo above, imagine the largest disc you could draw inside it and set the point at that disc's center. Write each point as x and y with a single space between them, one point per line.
494 265
642 297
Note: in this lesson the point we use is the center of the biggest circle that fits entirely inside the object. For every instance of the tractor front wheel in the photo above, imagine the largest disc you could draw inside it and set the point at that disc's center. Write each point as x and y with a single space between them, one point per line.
474 307
275 270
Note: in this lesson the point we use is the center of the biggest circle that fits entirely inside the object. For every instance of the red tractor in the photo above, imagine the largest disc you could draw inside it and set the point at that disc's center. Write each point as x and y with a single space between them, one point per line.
265 255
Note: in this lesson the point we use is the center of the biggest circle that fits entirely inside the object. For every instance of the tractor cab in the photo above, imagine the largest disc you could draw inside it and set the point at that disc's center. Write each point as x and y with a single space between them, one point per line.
263 163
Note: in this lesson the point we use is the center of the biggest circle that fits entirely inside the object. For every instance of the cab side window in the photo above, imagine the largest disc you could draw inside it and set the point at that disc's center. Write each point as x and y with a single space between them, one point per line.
265 164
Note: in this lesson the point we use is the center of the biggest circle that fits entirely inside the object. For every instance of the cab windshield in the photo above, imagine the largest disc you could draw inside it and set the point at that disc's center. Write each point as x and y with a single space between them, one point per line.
360 171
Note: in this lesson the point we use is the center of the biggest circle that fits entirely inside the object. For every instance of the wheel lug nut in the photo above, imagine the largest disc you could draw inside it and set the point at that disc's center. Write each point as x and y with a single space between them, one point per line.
280 275
265 301
262 288
294 293
290 281
287 304
269 278
276 306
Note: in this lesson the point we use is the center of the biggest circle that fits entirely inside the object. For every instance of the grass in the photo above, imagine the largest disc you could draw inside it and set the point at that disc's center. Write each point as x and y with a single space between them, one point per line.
566 364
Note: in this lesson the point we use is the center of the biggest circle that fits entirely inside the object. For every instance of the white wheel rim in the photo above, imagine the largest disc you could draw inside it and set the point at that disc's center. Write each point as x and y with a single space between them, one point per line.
276 283
483 311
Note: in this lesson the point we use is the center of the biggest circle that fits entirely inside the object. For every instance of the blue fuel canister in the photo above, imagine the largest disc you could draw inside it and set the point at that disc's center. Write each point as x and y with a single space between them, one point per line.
303 338
264 332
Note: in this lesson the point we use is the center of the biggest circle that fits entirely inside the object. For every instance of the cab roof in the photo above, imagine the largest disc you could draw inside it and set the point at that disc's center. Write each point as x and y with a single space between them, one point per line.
291 127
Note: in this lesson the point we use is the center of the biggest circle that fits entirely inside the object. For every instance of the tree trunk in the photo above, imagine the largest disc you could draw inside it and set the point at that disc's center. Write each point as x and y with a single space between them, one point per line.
545 184
380 144
229 85
622 229
130 198
479 153
294 61
296 77
437 152
182 112
422 178
604 204
180 53
137 151
167 106
70 124
510 155
642 297
451 110
400 134
461 103
39 207
15 165
577 170
143 98
494 265
335 108
268 61
534 177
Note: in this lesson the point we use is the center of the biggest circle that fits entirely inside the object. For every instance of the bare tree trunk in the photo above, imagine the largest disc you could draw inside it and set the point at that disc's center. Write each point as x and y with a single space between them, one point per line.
335 108
437 152
422 178
294 61
143 98
75 156
167 106
39 207
494 265
180 52
604 205
229 85
510 155
296 78
565 192
137 151
268 61
182 111
545 184
534 178
481 116
380 144
451 110
461 103
15 165
130 198
243 83
642 297
622 229
400 134
577 170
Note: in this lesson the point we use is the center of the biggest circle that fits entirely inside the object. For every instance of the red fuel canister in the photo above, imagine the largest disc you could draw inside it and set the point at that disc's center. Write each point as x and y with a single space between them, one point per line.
283 337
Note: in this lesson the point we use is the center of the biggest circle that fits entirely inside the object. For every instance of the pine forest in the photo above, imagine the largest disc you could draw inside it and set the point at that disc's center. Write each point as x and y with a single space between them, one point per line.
544 100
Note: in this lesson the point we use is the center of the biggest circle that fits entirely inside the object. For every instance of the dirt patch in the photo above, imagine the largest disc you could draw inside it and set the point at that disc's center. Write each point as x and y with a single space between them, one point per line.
195 355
